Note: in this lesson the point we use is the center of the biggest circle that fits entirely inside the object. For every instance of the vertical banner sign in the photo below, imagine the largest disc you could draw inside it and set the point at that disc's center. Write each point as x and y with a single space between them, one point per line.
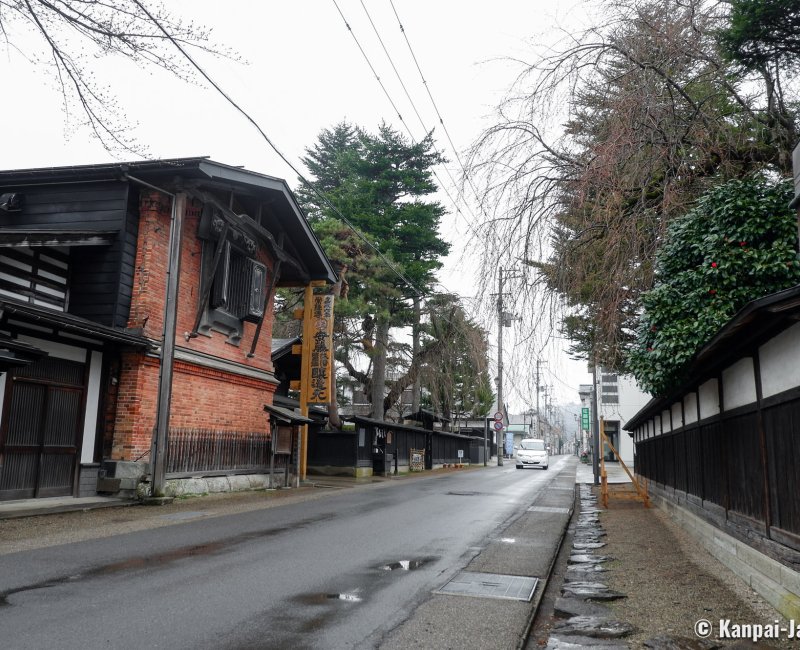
318 349
585 419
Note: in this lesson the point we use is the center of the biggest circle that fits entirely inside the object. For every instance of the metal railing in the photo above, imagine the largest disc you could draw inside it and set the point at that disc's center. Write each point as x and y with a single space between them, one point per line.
209 452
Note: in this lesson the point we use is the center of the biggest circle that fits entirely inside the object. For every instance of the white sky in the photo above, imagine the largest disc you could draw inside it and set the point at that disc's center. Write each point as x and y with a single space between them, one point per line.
304 72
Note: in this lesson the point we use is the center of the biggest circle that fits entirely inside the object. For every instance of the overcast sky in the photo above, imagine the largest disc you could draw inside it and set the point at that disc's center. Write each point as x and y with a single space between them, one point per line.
303 72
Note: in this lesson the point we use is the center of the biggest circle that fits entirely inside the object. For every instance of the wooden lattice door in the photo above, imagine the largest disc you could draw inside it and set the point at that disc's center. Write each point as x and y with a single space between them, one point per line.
41 431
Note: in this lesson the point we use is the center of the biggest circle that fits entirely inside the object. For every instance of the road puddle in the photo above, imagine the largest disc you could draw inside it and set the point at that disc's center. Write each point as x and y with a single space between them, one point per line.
406 565
322 598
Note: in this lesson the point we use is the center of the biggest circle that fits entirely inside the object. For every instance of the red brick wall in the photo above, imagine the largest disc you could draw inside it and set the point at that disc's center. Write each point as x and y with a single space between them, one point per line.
150 284
201 397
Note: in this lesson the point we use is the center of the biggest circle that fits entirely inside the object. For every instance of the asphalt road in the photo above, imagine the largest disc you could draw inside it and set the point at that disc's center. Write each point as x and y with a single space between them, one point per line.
339 572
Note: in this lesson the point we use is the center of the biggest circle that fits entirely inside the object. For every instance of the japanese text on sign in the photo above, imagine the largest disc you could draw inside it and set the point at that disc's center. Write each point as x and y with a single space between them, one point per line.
319 349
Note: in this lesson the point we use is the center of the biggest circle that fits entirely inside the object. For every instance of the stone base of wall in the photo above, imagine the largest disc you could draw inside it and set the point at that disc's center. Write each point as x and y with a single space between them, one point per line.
197 486
121 477
128 479
776 583
337 470
87 481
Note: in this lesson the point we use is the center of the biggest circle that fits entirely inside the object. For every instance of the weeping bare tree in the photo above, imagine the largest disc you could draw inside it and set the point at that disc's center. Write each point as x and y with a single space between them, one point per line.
454 369
64 37
600 144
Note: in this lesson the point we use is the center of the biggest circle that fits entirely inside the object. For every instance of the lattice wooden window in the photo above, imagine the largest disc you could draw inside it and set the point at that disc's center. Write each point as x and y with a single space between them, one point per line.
36 275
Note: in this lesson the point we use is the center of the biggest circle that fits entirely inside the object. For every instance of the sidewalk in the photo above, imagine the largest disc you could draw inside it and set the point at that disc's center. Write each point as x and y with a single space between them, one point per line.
615 473
660 581
53 505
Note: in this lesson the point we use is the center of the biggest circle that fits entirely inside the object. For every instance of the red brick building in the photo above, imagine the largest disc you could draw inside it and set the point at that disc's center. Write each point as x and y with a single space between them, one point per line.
84 268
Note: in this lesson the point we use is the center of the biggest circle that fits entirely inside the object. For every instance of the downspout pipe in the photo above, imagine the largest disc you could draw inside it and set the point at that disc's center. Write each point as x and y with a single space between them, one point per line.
158 449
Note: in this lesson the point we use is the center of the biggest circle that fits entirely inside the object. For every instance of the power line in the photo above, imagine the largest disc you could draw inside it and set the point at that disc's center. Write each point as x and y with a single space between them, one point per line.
371 67
394 67
392 102
252 121
274 147
416 111
435 106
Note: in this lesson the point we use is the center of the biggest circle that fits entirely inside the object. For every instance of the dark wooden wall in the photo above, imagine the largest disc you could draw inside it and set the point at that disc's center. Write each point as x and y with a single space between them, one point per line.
722 469
340 449
101 276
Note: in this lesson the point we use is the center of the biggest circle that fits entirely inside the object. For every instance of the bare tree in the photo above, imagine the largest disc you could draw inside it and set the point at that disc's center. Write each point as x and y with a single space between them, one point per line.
63 37
648 111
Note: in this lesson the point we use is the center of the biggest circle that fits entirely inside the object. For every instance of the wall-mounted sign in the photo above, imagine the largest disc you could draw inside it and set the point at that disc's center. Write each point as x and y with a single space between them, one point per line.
283 439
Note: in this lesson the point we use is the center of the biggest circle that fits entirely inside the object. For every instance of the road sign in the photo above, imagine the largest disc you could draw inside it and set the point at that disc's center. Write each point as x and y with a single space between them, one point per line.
498 426
498 417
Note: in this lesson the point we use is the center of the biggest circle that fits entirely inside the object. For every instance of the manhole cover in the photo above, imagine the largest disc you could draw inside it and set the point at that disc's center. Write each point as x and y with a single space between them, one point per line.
490 585
563 511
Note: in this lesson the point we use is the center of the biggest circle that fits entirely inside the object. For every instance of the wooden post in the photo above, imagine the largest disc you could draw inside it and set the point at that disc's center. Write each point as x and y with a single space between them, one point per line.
641 490
305 376
305 384
603 475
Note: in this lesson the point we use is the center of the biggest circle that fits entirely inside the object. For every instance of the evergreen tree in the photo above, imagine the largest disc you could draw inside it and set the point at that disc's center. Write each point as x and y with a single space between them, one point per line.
738 244
763 33
377 184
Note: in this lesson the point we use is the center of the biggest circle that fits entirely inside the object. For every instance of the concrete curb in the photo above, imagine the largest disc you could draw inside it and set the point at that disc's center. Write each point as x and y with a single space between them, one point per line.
545 581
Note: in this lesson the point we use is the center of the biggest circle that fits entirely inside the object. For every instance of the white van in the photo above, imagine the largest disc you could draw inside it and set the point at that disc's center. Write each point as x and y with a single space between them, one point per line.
531 452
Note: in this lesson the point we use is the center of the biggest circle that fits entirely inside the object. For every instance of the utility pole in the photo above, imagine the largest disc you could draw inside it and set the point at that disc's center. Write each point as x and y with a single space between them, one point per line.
538 420
538 433
500 435
503 320
163 405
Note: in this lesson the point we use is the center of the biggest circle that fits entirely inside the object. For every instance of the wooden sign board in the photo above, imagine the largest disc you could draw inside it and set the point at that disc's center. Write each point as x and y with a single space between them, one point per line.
283 439
318 349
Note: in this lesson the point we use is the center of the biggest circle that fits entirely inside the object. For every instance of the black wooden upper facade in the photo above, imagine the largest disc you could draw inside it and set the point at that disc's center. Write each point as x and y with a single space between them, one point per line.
68 235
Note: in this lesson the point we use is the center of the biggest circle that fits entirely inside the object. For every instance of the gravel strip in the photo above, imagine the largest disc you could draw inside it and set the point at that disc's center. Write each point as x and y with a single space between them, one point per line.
670 580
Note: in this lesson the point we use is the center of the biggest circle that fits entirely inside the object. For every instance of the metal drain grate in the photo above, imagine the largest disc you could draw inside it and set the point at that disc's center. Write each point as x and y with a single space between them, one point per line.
490 585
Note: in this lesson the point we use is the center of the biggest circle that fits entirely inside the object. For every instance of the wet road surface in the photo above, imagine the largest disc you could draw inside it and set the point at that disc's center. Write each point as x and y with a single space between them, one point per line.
337 572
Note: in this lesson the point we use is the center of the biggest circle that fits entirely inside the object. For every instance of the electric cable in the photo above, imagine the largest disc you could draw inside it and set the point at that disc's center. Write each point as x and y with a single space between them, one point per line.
442 186
435 106
272 145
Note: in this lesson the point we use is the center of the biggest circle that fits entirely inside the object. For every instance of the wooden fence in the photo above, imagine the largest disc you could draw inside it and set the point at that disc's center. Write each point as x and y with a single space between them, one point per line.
745 462
209 452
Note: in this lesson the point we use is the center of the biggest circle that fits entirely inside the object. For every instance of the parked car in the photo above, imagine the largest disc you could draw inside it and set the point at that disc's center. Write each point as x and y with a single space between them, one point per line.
532 452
